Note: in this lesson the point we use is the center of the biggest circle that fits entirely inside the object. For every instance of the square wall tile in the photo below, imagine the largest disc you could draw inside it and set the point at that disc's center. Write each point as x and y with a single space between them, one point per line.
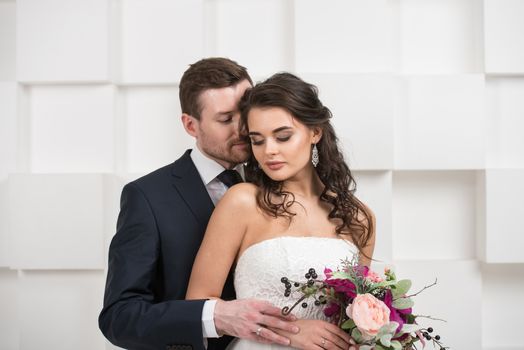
155 134
502 301
455 298
434 215
160 38
505 111
441 123
72 129
62 40
56 221
503 28
442 37
8 127
374 189
59 309
504 208
8 40
257 34
346 36
9 304
363 108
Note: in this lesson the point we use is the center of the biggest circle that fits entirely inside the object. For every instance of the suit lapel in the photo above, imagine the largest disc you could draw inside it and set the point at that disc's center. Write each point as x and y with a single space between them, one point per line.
189 185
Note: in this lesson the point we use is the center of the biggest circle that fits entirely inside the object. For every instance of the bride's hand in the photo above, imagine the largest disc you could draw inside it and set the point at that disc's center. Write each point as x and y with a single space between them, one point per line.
318 335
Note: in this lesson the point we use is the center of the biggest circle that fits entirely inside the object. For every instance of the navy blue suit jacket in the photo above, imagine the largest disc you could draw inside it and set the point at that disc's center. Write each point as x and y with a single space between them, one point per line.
162 220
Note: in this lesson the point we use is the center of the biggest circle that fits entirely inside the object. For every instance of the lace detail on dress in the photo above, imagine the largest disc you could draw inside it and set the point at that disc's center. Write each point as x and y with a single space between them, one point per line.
262 265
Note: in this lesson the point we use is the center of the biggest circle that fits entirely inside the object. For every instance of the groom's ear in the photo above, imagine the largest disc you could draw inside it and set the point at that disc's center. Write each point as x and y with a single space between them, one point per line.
190 124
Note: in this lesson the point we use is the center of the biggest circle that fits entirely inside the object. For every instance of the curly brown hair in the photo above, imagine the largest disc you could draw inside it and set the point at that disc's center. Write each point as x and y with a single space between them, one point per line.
299 98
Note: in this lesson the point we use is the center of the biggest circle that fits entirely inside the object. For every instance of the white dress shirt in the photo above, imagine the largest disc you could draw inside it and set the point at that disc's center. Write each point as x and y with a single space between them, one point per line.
209 170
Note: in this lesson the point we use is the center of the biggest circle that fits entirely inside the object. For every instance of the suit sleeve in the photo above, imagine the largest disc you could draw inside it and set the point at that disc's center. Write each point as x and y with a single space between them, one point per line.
132 316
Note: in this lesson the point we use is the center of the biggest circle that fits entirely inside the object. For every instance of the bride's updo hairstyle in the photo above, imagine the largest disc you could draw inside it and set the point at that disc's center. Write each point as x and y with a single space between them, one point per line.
299 98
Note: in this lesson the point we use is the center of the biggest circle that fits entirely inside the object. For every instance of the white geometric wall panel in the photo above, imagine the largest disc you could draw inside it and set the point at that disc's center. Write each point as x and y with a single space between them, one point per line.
9 304
456 298
503 28
502 287
374 189
160 38
8 153
346 36
155 134
257 34
443 36
72 128
441 123
68 38
434 215
505 112
50 305
362 105
56 221
7 40
504 239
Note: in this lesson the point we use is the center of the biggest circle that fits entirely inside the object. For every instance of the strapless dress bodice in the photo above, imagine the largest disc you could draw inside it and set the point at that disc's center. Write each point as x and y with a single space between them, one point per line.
261 266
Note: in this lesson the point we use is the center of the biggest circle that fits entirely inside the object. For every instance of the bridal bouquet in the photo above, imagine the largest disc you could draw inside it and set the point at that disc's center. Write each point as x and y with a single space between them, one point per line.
376 311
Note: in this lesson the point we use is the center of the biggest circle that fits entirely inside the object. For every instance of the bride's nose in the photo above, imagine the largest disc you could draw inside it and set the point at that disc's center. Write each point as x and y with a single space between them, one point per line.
271 147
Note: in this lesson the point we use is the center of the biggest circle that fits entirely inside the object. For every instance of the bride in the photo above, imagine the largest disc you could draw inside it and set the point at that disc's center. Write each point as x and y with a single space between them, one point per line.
297 211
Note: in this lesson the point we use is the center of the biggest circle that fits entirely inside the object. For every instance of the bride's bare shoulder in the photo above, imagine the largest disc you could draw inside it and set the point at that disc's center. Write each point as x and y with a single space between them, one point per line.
241 196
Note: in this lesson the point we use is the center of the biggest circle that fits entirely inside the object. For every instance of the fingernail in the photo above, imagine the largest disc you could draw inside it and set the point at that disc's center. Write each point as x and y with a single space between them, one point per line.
352 348
296 329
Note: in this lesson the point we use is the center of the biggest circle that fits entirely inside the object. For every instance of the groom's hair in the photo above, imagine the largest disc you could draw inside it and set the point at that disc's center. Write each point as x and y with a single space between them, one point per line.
208 73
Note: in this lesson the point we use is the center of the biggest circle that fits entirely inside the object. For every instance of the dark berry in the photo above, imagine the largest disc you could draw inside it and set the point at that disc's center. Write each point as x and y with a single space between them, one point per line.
425 334
428 337
314 275
304 305
317 302
287 293
283 279
288 285
437 337
311 271
308 275
296 284
430 329
310 283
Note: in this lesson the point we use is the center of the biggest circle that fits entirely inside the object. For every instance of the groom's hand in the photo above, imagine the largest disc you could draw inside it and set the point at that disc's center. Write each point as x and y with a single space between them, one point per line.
249 319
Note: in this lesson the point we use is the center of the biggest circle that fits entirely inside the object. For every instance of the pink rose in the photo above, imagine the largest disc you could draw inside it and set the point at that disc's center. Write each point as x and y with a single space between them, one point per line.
369 314
374 277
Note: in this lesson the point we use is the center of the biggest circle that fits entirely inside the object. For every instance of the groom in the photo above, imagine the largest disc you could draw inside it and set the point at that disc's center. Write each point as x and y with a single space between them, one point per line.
162 220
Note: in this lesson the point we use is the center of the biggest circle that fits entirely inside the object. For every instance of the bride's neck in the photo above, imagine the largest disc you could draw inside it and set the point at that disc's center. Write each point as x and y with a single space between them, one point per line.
307 186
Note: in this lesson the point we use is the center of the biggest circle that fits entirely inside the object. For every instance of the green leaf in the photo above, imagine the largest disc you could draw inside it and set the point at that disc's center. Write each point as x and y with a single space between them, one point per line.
340 275
409 328
355 334
366 347
348 324
401 288
396 345
389 328
377 347
402 303
386 340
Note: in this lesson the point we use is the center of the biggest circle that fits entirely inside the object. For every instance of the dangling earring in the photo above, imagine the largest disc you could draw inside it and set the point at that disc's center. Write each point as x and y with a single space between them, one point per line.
314 155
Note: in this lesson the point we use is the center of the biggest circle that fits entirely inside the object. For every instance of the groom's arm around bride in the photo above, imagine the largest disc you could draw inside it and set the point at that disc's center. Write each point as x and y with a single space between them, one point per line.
162 220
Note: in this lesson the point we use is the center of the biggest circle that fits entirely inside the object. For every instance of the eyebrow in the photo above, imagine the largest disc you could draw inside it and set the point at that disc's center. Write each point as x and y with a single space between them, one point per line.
282 128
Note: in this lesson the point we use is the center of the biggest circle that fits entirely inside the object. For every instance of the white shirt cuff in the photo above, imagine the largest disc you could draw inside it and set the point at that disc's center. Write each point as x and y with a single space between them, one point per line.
208 320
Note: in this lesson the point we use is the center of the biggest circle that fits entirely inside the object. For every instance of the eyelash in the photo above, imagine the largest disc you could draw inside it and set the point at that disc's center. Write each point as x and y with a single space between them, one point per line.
280 139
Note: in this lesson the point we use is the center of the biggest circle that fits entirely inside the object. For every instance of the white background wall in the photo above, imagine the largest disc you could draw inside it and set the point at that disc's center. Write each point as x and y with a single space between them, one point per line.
428 98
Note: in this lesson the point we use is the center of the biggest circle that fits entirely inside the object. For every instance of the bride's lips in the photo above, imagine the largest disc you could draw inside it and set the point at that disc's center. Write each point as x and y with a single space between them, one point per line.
275 165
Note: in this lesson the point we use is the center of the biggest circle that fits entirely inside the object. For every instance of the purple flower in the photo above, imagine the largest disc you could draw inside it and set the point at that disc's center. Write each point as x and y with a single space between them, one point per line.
394 314
342 286
332 309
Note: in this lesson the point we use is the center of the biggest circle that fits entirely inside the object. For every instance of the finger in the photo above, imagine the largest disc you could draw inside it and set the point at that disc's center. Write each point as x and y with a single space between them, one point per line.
334 342
277 323
271 310
273 337
339 333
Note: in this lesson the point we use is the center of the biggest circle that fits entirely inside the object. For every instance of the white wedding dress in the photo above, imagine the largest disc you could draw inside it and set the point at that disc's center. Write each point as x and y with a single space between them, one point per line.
262 265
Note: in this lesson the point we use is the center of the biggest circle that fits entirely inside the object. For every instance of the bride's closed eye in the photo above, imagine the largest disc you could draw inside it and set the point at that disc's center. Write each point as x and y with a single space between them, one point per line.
257 142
